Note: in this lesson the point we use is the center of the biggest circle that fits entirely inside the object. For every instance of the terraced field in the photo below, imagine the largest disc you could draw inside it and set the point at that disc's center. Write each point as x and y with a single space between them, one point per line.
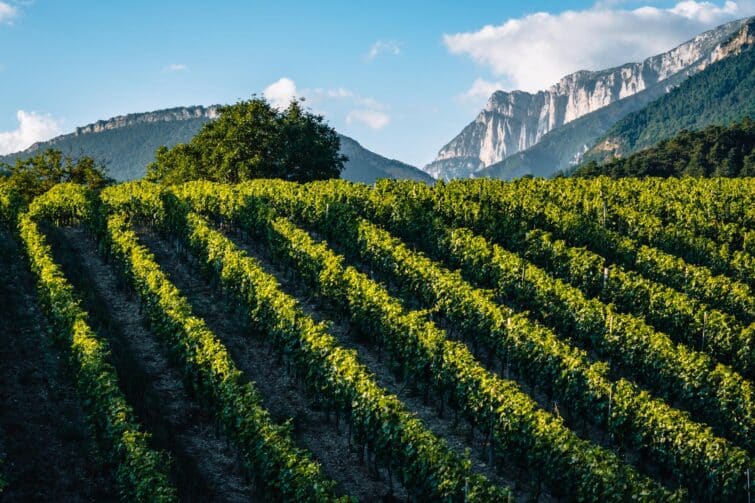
562 340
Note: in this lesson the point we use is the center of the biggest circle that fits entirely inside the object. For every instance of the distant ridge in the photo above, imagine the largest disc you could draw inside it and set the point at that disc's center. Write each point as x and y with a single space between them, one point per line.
127 144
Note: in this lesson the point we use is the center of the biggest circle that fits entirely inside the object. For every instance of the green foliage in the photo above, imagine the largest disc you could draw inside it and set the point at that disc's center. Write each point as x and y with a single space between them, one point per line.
10 204
601 295
712 152
269 453
126 150
582 387
505 213
140 472
424 464
518 428
721 94
252 139
36 175
377 421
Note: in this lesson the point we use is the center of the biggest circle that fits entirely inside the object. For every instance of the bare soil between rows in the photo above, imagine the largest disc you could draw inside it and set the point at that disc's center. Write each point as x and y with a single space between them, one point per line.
456 433
204 466
282 396
49 453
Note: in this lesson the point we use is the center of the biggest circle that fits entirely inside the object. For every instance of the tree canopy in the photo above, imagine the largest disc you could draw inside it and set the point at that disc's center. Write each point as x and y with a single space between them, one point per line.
252 139
36 175
714 151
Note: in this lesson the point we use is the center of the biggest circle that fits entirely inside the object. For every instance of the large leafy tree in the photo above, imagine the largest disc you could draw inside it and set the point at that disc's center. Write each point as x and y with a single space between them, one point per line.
252 139
36 175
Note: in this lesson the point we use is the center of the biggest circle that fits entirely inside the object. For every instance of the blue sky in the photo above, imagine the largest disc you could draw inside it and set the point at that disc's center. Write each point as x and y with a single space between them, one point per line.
400 77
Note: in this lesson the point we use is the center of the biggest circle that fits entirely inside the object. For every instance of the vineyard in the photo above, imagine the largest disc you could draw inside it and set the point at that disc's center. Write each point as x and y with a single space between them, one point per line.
560 340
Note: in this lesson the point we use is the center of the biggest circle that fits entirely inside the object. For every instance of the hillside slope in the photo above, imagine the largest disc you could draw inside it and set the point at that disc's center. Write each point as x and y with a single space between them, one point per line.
126 144
367 166
713 151
514 121
722 94
563 146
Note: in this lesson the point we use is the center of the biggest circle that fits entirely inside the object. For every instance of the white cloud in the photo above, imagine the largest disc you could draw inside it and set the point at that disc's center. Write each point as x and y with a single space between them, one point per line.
176 67
32 127
338 93
370 103
342 94
339 100
481 90
7 13
281 92
371 118
383 47
535 51
705 12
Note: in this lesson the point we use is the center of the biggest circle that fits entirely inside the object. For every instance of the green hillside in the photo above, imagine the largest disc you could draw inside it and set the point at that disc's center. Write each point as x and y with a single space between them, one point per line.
714 151
126 150
367 167
721 94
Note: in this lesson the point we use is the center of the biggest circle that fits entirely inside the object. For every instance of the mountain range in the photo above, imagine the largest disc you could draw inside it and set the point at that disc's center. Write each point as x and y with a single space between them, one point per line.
126 145
519 133
722 94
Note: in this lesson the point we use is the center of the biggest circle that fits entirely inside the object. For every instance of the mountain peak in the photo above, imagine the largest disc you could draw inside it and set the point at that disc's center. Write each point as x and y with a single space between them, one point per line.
513 121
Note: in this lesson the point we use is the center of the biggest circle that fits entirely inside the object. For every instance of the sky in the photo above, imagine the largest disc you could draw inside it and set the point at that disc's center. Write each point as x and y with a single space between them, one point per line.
402 78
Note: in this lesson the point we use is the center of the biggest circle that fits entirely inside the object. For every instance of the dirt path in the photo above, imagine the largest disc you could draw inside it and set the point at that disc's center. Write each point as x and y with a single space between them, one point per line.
282 396
49 453
204 467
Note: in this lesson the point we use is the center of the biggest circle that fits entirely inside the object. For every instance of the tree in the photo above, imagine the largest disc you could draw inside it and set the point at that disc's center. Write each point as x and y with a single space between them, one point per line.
252 139
748 167
36 175
728 166
696 165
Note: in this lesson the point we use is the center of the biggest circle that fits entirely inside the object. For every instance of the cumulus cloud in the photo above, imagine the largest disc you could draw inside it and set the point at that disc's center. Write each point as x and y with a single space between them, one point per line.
176 67
281 92
383 47
336 93
7 13
339 100
481 90
32 127
535 51
371 118
362 110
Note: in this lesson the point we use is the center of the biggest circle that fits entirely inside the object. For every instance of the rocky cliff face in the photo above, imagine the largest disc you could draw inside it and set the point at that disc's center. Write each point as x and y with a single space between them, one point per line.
514 121
123 121
167 115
